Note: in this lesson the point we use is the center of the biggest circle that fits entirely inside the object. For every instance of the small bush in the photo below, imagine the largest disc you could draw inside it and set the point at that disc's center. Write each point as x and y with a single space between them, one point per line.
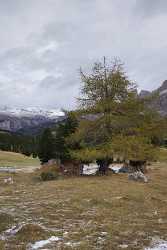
30 233
49 173
48 176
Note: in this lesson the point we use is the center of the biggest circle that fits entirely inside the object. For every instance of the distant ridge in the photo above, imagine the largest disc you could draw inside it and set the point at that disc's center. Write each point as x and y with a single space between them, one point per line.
31 112
160 102
28 120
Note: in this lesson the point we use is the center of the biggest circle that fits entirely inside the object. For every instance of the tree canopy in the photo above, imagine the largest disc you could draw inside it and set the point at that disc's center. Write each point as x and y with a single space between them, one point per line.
62 132
113 120
46 150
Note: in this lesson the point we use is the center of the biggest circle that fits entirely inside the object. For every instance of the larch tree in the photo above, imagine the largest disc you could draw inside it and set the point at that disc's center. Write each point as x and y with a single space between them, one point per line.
112 117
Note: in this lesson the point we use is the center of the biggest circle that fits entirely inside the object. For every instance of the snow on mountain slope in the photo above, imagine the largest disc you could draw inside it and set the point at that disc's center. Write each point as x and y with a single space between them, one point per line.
28 120
31 112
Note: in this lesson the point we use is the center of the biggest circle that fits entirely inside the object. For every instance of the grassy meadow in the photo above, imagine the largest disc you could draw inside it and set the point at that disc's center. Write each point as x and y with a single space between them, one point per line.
83 213
16 159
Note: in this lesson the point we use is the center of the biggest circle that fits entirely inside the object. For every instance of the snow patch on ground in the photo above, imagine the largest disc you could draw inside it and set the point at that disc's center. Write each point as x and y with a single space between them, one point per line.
160 245
116 167
72 244
90 169
123 246
42 243
11 231
14 230
104 233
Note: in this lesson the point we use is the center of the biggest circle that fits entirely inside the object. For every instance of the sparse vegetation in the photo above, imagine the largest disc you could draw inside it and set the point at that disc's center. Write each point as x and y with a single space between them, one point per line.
162 156
85 213
6 221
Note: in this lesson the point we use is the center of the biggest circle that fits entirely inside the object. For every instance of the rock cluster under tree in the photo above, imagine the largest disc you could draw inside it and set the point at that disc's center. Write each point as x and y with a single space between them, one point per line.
138 176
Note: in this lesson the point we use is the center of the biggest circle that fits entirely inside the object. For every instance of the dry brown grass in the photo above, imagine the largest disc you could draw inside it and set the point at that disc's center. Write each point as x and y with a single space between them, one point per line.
163 155
16 159
80 210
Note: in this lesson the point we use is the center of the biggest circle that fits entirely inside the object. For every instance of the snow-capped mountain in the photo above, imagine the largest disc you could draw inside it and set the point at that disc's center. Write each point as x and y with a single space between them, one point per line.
28 120
31 112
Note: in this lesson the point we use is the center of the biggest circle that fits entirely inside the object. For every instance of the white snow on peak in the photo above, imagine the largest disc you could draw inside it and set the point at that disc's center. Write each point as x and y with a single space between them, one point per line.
32 111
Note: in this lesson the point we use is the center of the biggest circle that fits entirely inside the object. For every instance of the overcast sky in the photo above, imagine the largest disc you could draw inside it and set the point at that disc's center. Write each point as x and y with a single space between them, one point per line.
44 42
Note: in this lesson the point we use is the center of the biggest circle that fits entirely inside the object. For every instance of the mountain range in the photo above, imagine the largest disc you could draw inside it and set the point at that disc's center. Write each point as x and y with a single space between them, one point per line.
28 120
33 120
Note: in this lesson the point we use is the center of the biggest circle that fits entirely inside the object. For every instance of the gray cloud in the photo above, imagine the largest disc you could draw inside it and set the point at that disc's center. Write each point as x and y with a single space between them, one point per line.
44 42
151 7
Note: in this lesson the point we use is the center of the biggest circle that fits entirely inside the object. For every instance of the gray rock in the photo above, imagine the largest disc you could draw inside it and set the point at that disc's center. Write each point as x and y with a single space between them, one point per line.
138 176
144 93
159 102
8 180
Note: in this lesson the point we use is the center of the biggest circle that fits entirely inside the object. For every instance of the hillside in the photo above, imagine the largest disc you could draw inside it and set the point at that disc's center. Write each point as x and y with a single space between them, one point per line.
16 159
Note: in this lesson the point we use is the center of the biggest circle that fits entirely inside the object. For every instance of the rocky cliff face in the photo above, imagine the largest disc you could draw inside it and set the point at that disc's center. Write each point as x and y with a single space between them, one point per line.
28 120
160 101
144 93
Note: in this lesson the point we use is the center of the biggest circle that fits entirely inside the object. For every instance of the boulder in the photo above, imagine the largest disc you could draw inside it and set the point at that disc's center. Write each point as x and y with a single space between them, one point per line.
138 176
8 180
51 162
124 169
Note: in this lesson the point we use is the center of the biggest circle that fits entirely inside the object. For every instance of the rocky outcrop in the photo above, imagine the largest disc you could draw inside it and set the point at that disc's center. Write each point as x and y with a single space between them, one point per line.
159 102
162 99
144 93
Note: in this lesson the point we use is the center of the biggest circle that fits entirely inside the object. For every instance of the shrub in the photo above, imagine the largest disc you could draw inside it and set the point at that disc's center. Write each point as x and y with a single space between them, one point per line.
49 173
48 176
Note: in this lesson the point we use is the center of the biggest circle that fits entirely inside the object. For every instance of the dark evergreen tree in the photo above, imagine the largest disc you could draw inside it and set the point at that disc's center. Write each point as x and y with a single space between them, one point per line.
46 149
62 132
19 143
